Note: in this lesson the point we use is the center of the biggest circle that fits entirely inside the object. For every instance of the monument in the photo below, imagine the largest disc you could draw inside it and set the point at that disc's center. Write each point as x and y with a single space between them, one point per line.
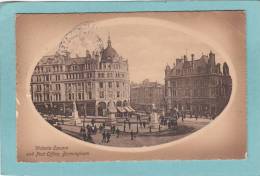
154 122
75 115
111 114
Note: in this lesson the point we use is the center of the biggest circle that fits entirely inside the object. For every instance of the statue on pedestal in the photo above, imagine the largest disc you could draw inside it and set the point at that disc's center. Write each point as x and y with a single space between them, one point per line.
75 114
111 113
154 122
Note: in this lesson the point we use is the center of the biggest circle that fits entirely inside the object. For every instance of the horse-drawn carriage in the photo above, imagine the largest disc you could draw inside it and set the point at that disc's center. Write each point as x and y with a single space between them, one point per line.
170 119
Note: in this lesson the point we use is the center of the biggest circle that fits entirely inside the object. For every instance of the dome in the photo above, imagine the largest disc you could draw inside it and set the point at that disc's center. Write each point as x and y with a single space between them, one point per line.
109 54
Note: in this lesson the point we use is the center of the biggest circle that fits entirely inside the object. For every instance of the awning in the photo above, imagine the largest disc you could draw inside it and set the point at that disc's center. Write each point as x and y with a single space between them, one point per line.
131 108
127 109
111 109
120 109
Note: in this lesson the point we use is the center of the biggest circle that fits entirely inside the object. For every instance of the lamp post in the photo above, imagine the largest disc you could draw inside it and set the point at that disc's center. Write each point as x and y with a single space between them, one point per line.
137 121
84 116
62 121
124 125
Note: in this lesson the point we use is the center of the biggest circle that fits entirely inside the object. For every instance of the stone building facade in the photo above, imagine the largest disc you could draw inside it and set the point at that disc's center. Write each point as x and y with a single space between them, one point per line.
198 86
90 81
145 94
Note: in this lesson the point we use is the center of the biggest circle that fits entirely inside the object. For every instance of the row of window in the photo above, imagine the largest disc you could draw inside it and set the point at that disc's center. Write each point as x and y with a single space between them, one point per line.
189 70
75 67
44 69
47 97
110 84
92 75
109 66
203 92
80 95
88 85
91 66
110 94
47 87
195 82
74 86
46 78
78 86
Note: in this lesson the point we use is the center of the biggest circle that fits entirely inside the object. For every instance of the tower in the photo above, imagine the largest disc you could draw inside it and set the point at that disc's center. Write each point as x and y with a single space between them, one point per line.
109 43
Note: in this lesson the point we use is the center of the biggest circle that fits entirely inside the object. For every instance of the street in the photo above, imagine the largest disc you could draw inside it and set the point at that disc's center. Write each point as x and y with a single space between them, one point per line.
144 137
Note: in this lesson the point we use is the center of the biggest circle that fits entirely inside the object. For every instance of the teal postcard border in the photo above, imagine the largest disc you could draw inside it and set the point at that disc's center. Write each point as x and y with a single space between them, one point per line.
9 166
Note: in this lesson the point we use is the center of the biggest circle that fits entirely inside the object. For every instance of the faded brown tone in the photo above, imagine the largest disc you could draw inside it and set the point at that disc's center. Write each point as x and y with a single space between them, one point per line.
225 138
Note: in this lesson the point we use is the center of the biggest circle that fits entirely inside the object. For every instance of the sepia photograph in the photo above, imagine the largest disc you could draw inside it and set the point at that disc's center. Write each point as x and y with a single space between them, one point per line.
85 89
132 81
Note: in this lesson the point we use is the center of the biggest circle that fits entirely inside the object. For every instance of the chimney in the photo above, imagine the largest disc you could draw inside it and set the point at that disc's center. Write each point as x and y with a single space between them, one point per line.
212 58
88 54
67 54
192 59
178 61
185 58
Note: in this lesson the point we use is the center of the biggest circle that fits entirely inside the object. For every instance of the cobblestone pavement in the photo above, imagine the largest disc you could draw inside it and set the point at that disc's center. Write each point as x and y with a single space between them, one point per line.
146 138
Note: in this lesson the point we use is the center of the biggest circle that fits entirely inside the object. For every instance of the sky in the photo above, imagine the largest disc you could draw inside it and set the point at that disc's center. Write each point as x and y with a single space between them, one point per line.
148 47
149 44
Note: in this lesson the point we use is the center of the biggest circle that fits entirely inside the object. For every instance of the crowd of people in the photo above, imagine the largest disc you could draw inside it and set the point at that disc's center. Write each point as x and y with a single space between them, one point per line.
169 119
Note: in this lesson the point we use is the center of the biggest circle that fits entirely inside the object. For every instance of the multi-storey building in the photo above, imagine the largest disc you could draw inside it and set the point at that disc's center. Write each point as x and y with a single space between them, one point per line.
198 86
91 81
145 94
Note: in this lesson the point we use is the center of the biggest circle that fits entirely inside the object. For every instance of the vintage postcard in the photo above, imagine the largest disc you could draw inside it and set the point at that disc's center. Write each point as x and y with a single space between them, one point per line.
131 86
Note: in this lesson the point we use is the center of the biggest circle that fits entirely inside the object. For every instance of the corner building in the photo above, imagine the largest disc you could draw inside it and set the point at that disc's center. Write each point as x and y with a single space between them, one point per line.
146 94
91 81
198 86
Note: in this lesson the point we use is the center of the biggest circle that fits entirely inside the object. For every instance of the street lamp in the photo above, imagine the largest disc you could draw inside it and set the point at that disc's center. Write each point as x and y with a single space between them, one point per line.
84 116
137 121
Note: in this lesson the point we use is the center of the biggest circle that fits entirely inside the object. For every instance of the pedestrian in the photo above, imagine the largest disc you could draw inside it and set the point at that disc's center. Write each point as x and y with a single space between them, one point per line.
132 135
95 129
84 136
175 123
117 132
165 122
129 124
108 137
92 129
100 128
87 126
89 138
144 123
89 129
124 127
59 126
82 131
92 122
104 136
113 129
